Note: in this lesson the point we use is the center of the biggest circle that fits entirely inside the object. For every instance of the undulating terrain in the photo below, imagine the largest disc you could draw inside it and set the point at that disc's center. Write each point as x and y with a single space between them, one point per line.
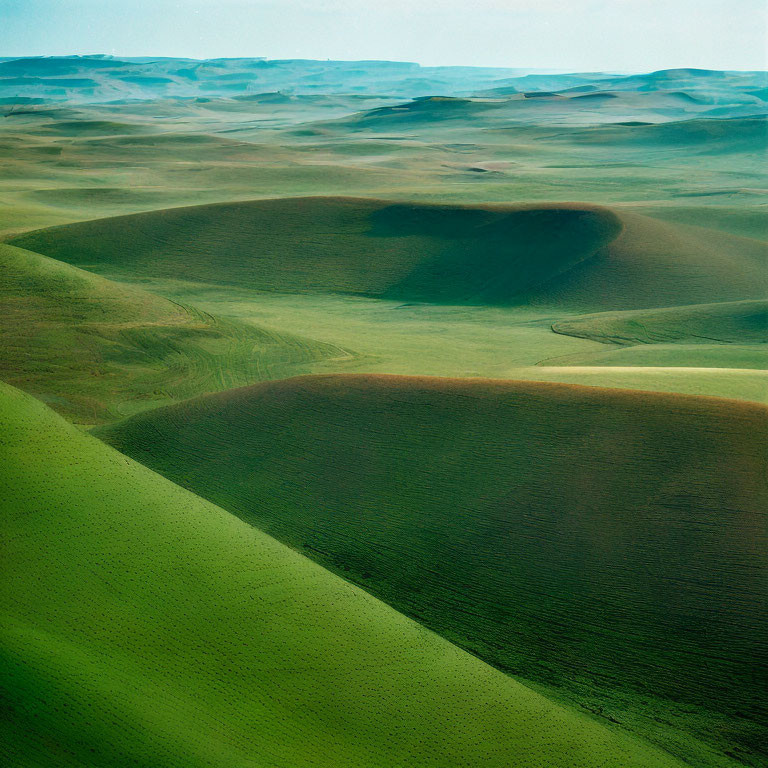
370 414
578 537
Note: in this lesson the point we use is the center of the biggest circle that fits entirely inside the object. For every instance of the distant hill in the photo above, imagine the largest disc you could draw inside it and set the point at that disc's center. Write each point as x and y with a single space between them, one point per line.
711 81
546 82
582 538
509 109
739 322
702 136
97 350
105 78
707 82
575 255
94 79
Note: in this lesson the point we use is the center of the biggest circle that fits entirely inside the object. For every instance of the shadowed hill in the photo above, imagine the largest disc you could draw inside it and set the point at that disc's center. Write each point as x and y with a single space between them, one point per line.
143 626
94 128
447 253
653 263
430 109
97 350
572 254
701 136
441 115
583 538
736 322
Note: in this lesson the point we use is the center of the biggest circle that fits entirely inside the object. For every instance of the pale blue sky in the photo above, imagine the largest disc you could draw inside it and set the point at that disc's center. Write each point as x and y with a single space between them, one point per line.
560 34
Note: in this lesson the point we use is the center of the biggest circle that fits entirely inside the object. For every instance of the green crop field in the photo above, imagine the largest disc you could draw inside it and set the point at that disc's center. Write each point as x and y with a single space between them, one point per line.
364 413
738 322
572 256
539 526
125 589
452 289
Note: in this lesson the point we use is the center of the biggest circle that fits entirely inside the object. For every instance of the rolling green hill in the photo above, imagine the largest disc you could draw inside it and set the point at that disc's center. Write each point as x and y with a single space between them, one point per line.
96 350
74 161
547 567
585 539
444 115
364 246
143 626
714 137
653 263
573 255
737 322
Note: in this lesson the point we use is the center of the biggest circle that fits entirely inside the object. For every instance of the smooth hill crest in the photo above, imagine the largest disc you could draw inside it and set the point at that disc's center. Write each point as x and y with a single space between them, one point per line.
577 255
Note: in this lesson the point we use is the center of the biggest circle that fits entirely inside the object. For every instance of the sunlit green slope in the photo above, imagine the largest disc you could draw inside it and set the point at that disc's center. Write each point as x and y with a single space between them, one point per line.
97 350
144 626
612 371
387 336
700 348
587 539
689 357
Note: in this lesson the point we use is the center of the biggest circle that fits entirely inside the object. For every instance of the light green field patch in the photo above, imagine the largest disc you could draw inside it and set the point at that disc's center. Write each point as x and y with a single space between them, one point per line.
672 355
737 383
727 322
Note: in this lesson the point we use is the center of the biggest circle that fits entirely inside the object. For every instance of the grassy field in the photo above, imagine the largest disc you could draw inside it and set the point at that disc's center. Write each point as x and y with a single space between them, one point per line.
684 356
173 228
584 539
121 588
498 342
97 350
570 256
451 289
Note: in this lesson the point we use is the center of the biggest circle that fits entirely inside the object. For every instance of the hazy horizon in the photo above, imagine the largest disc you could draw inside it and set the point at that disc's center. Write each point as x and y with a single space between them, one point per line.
581 35
522 68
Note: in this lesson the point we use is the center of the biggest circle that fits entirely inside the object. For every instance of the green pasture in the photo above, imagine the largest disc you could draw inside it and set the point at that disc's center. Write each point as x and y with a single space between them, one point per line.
583 538
144 626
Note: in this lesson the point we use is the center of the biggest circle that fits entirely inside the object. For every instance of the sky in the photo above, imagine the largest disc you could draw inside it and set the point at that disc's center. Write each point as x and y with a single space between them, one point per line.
575 35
